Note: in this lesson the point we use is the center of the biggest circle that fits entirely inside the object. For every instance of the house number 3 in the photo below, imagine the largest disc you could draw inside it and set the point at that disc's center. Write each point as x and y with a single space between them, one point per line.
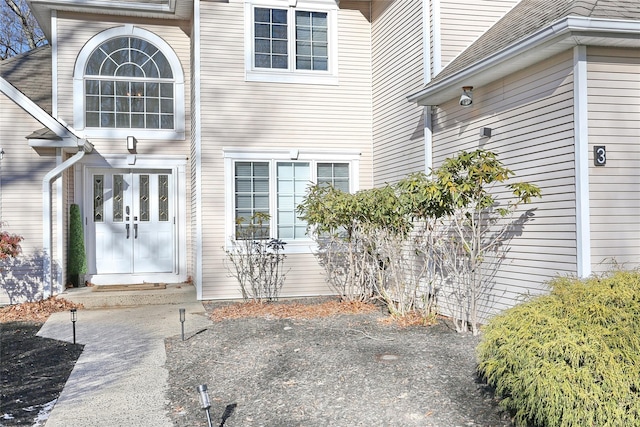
599 155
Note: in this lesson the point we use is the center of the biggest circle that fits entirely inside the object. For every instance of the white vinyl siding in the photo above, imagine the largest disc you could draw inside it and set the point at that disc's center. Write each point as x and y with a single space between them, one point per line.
397 62
614 122
257 116
21 200
463 21
531 117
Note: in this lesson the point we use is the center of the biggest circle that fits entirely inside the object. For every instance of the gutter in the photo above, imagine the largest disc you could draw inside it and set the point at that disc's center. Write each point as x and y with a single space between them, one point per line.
47 233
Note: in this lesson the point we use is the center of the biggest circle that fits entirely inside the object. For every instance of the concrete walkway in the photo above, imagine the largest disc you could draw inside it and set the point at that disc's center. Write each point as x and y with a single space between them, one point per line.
120 378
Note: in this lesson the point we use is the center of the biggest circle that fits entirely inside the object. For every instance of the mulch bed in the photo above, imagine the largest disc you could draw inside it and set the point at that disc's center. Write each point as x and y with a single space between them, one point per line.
34 370
265 366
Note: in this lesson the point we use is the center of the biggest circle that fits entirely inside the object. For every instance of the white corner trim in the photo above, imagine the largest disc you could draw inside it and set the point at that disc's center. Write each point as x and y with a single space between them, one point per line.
437 38
54 63
428 139
197 142
580 109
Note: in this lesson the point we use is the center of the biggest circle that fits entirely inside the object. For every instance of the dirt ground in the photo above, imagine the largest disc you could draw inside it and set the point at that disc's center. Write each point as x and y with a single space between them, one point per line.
337 370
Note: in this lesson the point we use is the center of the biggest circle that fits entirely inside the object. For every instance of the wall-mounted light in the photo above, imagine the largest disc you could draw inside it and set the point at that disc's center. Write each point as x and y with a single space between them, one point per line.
467 97
131 143
1 153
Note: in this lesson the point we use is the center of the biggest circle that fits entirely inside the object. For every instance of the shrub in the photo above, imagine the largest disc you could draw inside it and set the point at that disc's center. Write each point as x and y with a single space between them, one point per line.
255 260
570 358
77 262
9 245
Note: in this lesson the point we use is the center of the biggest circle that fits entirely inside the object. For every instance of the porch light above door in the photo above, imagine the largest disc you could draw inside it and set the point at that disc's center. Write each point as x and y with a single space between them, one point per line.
131 143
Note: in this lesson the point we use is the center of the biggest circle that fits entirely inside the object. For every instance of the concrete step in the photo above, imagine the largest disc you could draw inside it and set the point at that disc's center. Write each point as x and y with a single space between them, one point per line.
173 293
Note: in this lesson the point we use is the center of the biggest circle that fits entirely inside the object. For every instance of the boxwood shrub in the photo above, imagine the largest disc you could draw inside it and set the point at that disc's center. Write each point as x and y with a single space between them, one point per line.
569 358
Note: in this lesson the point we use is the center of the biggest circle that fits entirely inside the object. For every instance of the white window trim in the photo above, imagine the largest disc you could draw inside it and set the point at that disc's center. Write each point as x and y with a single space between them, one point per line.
291 75
79 97
233 154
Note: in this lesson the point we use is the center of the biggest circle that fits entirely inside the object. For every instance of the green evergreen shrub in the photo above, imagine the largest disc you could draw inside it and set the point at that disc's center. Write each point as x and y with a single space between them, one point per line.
77 259
570 358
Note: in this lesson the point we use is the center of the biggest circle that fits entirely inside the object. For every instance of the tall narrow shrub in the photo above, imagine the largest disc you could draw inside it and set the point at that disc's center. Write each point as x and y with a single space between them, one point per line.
77 259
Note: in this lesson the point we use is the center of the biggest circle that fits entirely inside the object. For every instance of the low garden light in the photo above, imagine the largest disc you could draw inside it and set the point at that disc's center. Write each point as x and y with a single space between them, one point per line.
74 318
182 313
205 403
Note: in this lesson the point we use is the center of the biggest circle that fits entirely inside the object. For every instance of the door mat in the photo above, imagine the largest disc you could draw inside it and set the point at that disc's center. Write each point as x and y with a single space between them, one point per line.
136 287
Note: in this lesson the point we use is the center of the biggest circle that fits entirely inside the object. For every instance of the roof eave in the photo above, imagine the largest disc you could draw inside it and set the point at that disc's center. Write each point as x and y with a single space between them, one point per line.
556 38
68 138
42 9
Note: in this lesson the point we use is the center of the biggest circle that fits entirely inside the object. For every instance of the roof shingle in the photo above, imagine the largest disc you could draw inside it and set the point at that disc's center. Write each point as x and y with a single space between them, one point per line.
529 16
30 73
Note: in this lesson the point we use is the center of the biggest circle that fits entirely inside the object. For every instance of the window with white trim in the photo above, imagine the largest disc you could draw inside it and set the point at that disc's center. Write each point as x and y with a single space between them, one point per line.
291 43
127 79
128 84
276 186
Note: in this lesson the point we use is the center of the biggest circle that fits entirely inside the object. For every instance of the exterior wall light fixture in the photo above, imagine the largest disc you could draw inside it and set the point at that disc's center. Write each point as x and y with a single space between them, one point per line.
467 97
131 143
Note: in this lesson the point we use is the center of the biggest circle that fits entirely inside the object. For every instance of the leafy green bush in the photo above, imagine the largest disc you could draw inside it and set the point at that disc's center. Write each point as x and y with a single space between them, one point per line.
77 262
570 358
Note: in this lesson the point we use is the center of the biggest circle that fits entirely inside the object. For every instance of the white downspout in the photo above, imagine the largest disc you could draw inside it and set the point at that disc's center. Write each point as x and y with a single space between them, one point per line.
47 236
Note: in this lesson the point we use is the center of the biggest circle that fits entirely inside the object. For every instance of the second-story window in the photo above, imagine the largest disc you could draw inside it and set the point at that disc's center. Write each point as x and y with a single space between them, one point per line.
309 46
129 83
291 44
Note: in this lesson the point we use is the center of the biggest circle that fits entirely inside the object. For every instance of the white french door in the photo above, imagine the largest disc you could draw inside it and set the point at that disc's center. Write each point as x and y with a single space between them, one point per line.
133 220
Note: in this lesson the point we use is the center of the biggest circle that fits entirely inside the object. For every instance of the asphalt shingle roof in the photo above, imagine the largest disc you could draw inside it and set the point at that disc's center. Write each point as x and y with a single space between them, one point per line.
529 16
30 73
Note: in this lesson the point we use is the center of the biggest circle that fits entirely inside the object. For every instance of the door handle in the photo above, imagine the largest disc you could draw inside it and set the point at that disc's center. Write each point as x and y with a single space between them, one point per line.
127 227
135 231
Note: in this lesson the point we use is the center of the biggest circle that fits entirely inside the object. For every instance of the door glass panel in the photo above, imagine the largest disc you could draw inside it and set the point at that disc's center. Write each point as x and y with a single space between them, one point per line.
98 198
144 197
163 197
118 198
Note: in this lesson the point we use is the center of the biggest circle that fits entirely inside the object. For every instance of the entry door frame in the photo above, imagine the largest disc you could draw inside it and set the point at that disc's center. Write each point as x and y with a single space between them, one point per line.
83 190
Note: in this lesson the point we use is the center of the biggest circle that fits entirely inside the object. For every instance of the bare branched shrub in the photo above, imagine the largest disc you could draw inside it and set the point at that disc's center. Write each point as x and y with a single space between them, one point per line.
256 261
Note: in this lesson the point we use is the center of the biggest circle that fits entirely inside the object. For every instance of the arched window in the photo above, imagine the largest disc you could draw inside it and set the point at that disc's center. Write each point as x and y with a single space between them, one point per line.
129 84
129 78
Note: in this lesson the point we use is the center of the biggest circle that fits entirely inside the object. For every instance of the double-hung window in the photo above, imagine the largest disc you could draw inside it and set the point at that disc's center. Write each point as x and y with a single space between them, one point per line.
275 185
291 43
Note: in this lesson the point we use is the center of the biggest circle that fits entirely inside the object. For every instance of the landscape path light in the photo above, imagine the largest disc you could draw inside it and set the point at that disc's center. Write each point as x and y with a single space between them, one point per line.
74 318
205 403
182 311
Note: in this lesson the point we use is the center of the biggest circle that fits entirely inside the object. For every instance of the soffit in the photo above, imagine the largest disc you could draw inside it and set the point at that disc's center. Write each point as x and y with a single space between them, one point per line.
157 9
